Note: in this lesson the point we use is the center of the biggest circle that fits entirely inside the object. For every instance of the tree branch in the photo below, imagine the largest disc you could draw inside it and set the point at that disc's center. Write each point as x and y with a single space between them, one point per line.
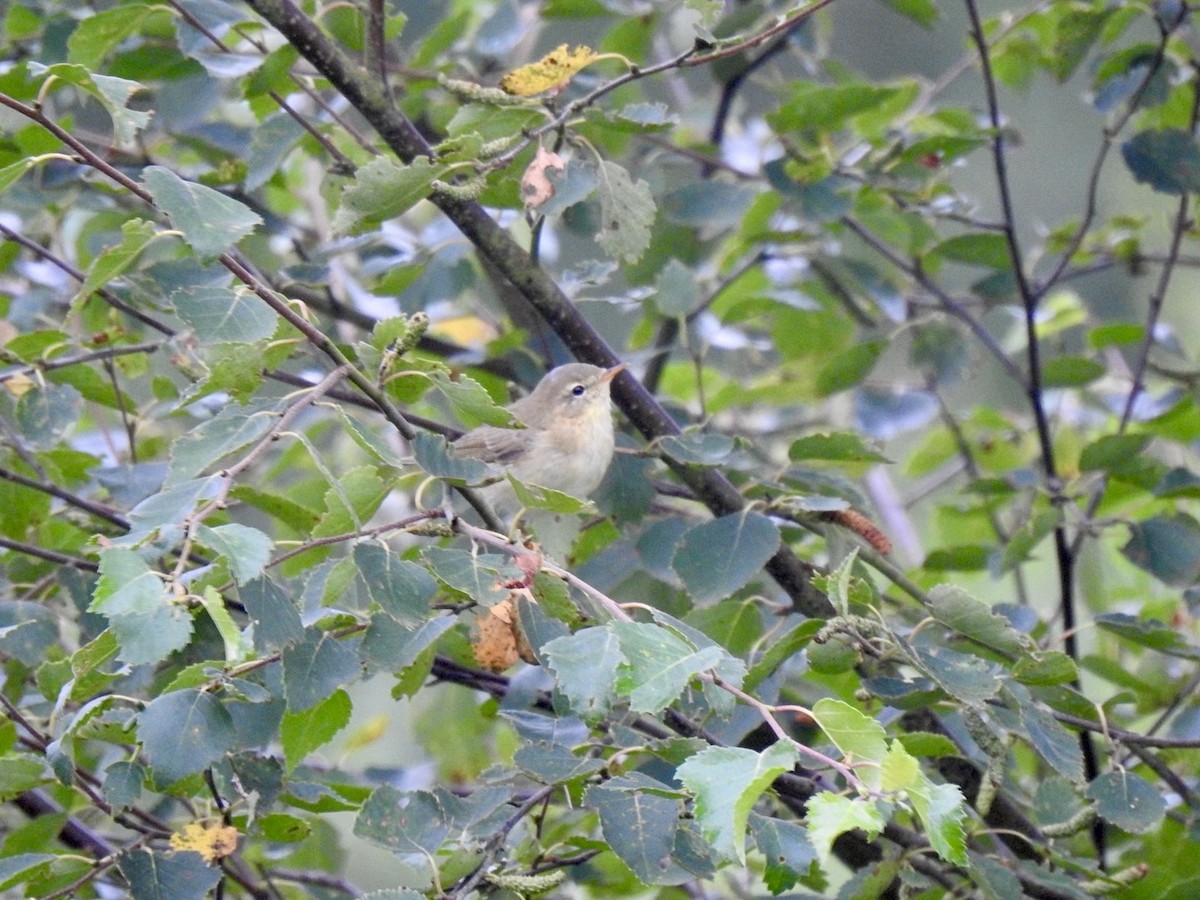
512 261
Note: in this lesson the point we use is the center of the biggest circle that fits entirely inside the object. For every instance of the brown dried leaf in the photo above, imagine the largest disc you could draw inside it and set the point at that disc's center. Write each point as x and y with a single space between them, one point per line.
496 648
536 186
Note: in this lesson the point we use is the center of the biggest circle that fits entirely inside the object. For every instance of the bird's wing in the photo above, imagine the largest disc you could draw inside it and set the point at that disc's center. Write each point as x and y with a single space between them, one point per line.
492 444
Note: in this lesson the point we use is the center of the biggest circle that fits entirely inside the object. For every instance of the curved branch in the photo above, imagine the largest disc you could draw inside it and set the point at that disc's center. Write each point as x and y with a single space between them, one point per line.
513 262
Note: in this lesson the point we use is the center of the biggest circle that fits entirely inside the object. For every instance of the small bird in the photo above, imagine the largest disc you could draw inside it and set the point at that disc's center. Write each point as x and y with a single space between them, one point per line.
567 441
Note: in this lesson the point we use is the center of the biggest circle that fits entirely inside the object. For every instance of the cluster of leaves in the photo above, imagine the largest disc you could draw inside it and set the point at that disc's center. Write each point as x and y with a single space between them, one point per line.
255 259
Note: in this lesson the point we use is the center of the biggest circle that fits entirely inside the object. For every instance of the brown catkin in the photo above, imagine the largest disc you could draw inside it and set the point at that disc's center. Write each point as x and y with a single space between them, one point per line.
863 527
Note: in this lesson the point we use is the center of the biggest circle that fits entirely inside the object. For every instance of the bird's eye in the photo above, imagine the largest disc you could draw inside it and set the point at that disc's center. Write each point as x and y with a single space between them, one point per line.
578 390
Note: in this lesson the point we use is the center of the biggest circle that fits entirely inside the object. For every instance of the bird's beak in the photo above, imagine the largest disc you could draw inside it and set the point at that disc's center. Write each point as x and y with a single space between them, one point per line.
610 374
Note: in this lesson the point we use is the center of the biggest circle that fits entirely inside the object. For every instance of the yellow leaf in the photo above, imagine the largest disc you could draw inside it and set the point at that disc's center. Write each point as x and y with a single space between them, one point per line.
19 384
468 330
551 72
213 842
368 734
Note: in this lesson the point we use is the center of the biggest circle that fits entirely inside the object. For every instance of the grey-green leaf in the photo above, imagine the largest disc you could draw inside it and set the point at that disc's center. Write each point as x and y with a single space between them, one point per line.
1167 160
401 588
211 222
1168 547
315 667
640 828
168 875
584 665
717 558
47 413
219 314
1127 800
184 732
626 213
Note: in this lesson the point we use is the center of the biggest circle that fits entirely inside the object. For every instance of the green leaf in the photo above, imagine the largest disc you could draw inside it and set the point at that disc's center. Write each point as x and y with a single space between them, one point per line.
1070 371
584 665
135 235
717 558
1051 740
113 94
144 617
1128 801
964 677
351 501
11 174
824 108
658 664
781 649
840 446
383 189
247 549
300 733
210 221
974 619
984 249
849 367
785 847
727 781
233 428
47 413
168 875
994 879
963 558
22 867
237 643
1077 31
535 496
394 646
317 666
403 822
478 575
647 117
698 449
27 630
432 454
830 815
1045 668
640 827
555 764
1148 633
571 186
940 806
1113 452
1167 160
273 615
184 732
707 205
677 292
219 315
626 214
855 734
470 401
401 588
1168 547
123 782
97 35
923 12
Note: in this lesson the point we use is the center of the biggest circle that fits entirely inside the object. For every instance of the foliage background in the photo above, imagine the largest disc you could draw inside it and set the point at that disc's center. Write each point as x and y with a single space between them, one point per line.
260 260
